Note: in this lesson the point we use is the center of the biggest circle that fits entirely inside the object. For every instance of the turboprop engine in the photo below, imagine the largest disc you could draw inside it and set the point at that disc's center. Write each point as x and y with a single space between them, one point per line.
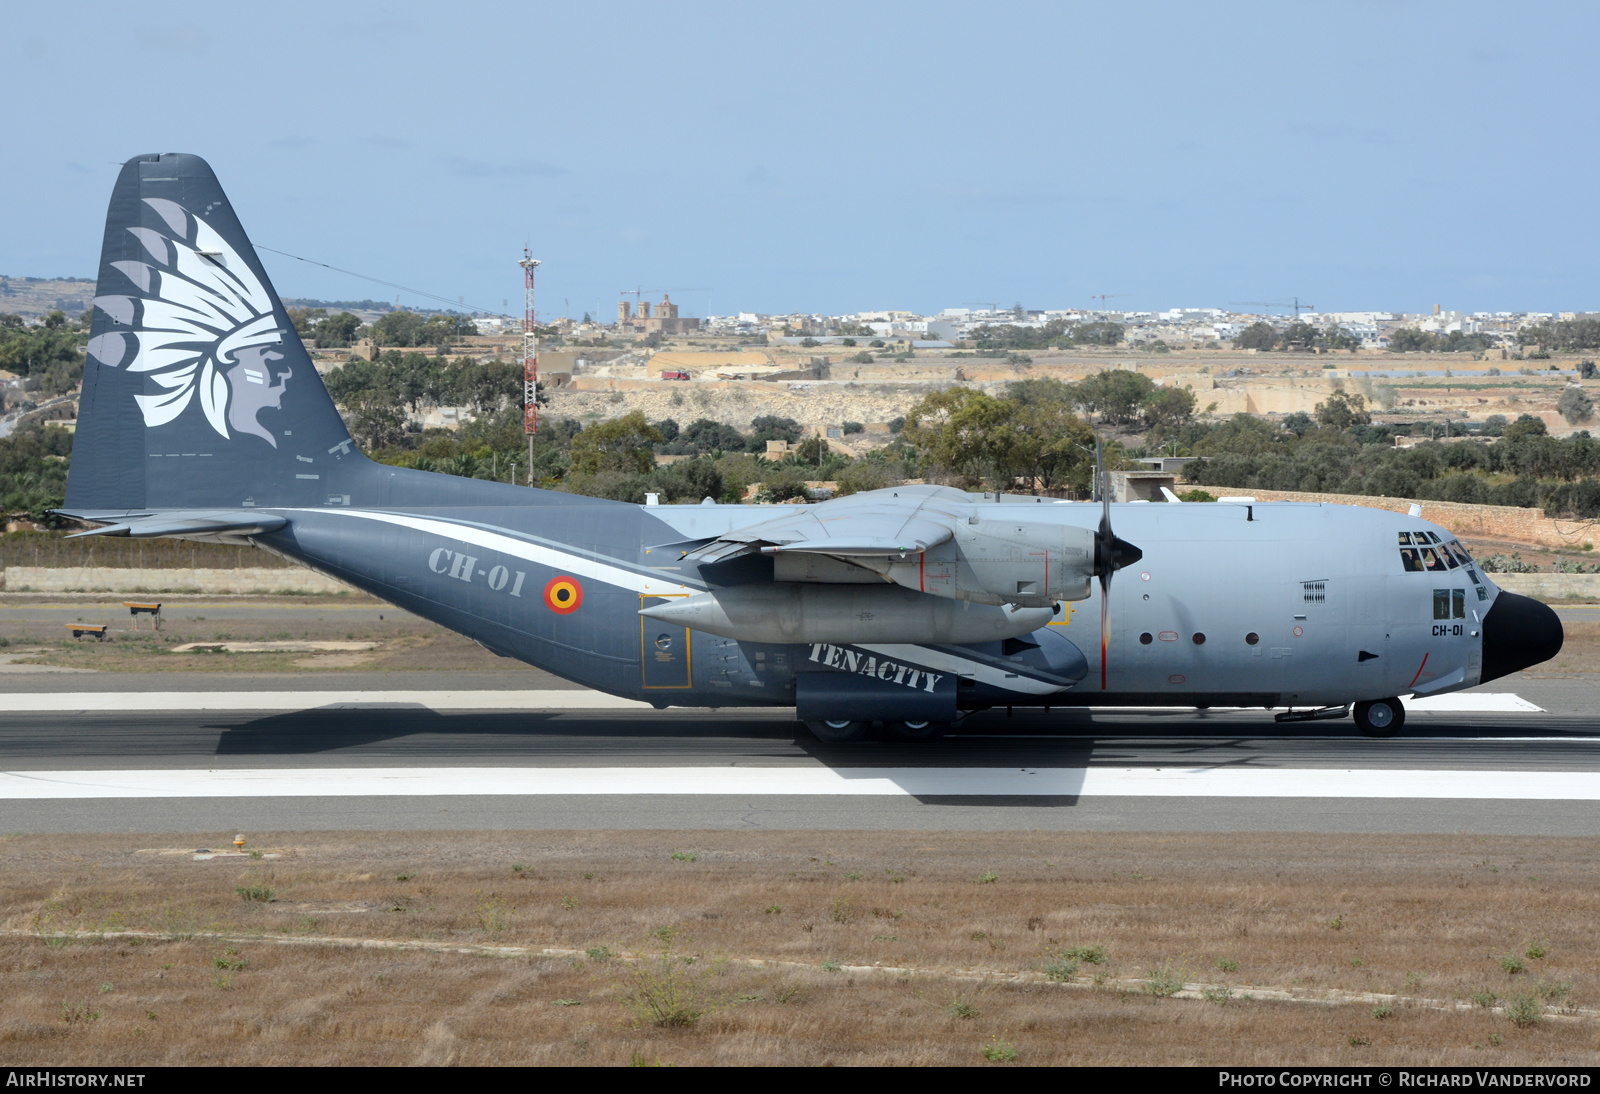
1003 562
797 611
980 560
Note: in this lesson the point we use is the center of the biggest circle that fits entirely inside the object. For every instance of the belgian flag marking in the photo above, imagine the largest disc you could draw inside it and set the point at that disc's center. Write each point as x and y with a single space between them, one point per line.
563 595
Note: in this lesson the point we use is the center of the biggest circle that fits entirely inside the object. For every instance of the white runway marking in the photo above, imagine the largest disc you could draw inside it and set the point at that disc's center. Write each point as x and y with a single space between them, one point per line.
1166 782
566 699
1473 702
144 701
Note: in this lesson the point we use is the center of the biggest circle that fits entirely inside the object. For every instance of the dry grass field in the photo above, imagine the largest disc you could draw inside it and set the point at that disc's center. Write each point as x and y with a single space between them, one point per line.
800 948
401 642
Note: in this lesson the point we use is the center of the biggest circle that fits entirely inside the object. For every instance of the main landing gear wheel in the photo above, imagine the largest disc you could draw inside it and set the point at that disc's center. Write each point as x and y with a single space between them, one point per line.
916 731
838 732
1379 717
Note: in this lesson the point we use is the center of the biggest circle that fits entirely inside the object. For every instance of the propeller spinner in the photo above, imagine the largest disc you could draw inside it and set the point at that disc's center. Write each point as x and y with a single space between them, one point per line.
1110 554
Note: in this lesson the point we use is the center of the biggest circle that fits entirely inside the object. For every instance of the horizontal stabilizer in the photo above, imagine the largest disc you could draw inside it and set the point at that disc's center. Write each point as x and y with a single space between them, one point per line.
190 524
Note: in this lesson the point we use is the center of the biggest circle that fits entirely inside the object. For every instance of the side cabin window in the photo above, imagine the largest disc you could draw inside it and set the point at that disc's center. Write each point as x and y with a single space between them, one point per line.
1412 559
1449 603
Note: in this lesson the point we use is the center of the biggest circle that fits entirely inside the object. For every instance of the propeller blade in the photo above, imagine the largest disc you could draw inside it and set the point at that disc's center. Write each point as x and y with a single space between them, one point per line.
1104 543
1105 624
1101 485
1110 554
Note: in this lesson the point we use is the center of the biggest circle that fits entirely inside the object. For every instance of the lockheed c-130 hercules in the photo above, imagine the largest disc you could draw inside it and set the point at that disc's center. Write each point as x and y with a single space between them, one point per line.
203 418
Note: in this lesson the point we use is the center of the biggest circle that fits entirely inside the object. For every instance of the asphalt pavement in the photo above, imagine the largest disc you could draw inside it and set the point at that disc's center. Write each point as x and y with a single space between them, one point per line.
1147 770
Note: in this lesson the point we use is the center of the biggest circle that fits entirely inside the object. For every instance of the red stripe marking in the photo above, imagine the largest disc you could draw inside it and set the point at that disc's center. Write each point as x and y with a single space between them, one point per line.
1420 667
1102 640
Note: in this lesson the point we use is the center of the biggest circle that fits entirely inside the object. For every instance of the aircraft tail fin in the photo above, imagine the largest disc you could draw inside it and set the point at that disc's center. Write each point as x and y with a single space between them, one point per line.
197 392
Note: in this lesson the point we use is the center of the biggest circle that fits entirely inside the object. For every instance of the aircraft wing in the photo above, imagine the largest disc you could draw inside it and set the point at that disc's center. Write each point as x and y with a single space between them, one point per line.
877 524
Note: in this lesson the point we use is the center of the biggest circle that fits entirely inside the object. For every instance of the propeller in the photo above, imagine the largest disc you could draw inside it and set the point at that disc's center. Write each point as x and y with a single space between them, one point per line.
1110 554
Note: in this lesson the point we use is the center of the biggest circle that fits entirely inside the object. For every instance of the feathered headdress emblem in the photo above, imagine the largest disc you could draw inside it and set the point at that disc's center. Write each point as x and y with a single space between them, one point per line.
204 316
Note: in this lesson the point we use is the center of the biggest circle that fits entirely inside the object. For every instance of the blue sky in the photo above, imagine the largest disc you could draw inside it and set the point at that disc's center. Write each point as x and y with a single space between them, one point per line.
834 157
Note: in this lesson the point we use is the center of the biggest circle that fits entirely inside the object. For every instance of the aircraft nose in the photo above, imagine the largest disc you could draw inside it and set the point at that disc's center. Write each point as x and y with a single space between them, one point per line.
1518 632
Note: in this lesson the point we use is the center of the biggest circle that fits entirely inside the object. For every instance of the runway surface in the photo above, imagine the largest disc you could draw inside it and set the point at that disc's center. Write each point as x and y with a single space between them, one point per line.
515 750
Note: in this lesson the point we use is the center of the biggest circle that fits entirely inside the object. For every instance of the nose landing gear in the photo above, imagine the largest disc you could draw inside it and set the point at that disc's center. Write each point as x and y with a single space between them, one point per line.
1379 717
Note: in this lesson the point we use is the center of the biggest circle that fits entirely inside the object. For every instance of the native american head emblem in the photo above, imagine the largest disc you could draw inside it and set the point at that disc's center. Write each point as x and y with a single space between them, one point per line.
203 327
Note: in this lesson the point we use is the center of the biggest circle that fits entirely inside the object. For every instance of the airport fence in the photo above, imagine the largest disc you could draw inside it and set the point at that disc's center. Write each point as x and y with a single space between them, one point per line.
53 550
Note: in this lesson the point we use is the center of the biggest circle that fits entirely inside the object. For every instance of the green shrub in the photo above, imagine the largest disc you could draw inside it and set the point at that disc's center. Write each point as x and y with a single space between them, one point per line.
997 1051
1164 982
670 990
1552 991
1061 968
958 1007
1525 1011
255 894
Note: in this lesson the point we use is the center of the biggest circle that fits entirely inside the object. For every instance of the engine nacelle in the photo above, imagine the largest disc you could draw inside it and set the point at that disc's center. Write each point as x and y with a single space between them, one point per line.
1002 562
793 612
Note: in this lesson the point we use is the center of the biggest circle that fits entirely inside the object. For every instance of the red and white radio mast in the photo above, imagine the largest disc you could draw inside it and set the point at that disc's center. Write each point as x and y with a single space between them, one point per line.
530 358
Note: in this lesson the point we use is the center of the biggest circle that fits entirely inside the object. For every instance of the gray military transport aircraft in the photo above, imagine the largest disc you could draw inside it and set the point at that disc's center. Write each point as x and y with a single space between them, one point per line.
203 418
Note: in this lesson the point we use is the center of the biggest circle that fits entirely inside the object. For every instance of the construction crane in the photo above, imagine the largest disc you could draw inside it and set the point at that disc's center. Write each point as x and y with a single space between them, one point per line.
1104 296
1295 304
637 294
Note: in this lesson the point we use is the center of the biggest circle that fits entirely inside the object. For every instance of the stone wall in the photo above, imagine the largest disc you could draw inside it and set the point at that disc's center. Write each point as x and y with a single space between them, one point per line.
1505 522
93 579
1551 586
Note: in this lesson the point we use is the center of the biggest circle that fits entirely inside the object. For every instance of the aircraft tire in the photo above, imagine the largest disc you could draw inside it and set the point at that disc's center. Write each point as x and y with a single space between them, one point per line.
1379 717
838 732
916 731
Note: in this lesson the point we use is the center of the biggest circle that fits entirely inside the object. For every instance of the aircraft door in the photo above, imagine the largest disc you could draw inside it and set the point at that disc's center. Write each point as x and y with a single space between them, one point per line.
664 652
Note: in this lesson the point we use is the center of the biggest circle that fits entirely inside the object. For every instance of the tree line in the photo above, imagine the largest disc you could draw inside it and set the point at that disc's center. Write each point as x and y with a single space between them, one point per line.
1525 466
381 398
1056 334
1564 335
46 351
397 328
1297 335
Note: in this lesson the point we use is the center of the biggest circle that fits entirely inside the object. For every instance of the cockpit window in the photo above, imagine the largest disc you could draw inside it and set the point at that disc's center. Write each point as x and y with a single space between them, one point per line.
1434 563
1460 552
1405 539
1412 559
1425 537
